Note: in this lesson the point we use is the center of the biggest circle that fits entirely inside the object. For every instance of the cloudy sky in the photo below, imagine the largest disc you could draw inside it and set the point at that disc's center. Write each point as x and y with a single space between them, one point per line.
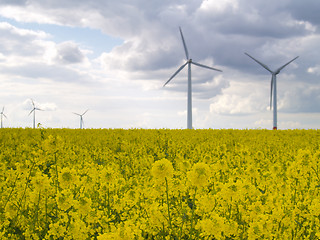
113 57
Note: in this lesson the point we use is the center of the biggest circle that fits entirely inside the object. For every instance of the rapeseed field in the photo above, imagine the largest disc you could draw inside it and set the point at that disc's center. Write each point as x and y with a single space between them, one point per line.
159 184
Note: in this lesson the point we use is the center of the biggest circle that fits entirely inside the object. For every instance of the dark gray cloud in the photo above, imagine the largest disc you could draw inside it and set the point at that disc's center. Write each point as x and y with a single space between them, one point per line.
13 2
39 71
305 10
69 53
298 98
252 18
213 30
28 54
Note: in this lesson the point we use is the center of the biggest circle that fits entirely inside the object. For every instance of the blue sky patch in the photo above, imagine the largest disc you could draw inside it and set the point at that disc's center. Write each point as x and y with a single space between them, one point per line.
89 38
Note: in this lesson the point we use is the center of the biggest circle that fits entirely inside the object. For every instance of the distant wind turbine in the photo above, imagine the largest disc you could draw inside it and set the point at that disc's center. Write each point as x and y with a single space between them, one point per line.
34 113
81 117
188 62
2 115
273 96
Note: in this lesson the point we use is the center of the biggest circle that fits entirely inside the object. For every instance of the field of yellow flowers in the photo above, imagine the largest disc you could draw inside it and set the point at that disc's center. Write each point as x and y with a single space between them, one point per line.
159 184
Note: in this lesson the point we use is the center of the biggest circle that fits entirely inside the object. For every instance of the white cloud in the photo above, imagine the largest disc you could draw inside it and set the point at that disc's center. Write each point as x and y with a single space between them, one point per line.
263 123
45 106
219 6
26 14
314 70
241 98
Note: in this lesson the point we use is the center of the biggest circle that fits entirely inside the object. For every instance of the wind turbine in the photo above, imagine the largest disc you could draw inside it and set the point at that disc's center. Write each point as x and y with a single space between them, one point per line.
2 115
81 117
188 62
273 96
34 113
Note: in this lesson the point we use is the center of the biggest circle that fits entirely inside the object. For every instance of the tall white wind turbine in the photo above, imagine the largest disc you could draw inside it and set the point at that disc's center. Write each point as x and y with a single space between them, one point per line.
81 117
2 115
273 91
34 113
188 62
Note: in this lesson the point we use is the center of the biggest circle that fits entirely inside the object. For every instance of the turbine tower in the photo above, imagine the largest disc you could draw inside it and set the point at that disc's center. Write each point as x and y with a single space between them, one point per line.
34 113
273 91
188 62
2 115
81 117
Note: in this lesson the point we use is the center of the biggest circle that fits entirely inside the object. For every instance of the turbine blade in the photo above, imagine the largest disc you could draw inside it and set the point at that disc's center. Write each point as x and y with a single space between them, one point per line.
31 111
85 112
271 92
32 102
204 66
4 115
280 68
76 114
39 109
262 64
176 73
184 44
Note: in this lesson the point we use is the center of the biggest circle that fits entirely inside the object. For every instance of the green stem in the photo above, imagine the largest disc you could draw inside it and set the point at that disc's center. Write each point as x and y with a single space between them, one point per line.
35 220
183 218
168 204
56 168
25 190
192 213
57 183
316 172
109 203
14 185
164 238
46 223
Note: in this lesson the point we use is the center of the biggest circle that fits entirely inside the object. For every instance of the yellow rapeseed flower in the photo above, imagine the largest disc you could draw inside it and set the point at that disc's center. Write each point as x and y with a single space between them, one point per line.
64 200
162 170
68 177
72 184
213 226
199 175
